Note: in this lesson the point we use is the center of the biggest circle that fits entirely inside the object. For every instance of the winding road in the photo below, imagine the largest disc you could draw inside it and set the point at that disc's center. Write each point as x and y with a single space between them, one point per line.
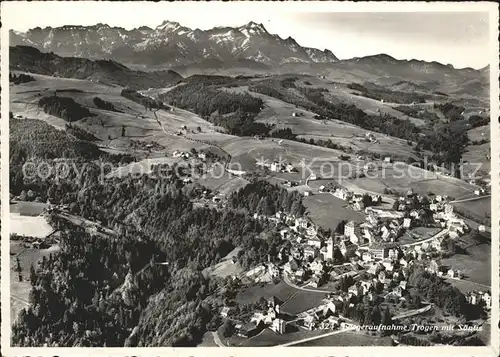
471 199
289 283
435 236
217 339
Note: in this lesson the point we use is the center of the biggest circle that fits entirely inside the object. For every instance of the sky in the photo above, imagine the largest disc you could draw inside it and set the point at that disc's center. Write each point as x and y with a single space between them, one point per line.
454 36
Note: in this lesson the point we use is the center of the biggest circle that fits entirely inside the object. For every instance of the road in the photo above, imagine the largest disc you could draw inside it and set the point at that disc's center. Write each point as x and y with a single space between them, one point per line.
288 282
86 223
413 312
388 199
470 282
471 199
336 332
435 236
229 157
20 299
217 339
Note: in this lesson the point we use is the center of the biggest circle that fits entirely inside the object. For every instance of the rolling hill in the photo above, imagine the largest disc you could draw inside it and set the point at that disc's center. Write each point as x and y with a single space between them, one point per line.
29 59
249 49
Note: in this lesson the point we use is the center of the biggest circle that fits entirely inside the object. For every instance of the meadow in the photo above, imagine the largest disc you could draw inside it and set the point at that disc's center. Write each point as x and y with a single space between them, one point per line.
327 211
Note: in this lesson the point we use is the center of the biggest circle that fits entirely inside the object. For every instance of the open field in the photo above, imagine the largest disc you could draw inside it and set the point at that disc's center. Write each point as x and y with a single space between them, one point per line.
477 208
422 183
226 184
477 157
304 125
336 92
141 167
226 267
349 338
346 135
253 293
386 145
25 208
475 264
371 106
442 187
466 286
302 301
108 126
479 133
32 226
20 289
246 151
327 211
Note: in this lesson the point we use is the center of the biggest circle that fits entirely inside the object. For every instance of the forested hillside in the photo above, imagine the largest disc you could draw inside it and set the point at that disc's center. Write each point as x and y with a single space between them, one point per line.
234 112
155 222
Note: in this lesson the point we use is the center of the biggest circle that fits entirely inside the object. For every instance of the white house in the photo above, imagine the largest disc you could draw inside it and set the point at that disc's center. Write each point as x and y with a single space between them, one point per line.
388 265
278 326
225 311
316 267
385 232
343 194
366 257
275 166
486 297
289 167
314 241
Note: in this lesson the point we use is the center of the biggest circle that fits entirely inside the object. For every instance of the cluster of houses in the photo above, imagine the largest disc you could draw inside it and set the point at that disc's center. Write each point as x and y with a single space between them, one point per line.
277 166
372 255
182 154
187 155
355 200
270 318
323 317
371 138
288 183
479 297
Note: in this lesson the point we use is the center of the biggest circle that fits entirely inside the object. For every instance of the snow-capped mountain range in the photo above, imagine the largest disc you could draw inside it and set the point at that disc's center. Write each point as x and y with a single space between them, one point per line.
171 44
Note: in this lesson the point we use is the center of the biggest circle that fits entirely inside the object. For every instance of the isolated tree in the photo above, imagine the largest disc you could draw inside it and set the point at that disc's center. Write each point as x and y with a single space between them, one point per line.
340 227
33 276
18 262
367 200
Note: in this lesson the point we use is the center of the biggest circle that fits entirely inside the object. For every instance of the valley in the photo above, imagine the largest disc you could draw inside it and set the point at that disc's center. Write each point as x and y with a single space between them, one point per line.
261 194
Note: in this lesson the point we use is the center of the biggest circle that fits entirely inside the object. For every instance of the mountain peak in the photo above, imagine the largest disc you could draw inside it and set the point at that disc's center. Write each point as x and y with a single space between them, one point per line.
168 25
253 26
173 44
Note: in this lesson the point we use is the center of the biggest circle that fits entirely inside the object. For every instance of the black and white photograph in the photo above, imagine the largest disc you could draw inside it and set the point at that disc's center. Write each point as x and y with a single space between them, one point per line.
225 174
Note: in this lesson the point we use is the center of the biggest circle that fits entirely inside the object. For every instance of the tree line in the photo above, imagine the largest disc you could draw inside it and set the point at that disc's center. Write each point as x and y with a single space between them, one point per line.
20 78
63 107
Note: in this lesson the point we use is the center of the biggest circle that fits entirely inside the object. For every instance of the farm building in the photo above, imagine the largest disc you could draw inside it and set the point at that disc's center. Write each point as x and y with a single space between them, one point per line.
278 326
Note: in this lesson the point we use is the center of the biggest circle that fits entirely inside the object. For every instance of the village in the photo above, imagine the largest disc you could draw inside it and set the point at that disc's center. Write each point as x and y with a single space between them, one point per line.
360 261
